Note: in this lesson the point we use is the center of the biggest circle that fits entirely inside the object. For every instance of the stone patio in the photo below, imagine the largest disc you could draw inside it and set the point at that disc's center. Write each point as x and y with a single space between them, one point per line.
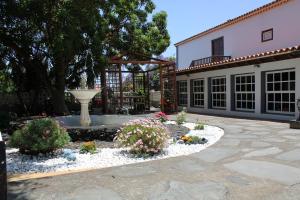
254 160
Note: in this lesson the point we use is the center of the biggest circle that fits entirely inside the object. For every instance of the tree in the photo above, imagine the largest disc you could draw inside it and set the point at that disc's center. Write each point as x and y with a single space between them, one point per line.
46 45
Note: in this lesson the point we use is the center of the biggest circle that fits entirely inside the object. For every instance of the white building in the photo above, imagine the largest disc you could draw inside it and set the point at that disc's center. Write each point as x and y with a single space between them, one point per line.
248 66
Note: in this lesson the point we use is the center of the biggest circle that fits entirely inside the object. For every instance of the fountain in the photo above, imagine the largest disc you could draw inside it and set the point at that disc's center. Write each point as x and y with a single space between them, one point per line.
94 127
84 96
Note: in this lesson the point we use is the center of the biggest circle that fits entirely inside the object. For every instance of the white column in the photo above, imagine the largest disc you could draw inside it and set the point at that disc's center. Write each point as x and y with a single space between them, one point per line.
206 84
189 93
228 92
258 88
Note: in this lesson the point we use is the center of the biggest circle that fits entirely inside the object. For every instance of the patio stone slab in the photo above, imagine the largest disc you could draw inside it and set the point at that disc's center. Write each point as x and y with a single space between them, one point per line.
238 180
132 171
175 190
260 132
239 136
273 139
256 128
289 131
189 165
247 150
230 142
290 193
260 144
293 155
266 170
90 192
263 152
215 154
292 137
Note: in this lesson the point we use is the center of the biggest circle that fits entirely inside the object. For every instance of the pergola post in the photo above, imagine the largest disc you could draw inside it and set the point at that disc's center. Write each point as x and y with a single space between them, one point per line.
162 108
148 89
133 81
121 85
104 90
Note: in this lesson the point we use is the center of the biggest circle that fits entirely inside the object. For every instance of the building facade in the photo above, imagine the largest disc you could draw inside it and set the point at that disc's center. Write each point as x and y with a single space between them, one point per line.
248 66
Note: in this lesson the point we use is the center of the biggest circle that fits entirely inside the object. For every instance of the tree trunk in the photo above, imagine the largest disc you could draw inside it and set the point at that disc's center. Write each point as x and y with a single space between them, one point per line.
58 93
58 101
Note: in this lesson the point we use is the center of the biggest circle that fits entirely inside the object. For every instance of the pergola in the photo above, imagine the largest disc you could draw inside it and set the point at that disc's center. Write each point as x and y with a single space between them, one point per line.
112 85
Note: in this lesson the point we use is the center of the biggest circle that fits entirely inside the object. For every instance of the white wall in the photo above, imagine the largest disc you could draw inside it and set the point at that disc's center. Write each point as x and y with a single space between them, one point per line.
244 38
279 65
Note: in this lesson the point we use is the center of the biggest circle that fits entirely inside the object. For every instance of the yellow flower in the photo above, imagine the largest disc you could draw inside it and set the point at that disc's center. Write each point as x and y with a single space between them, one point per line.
186 138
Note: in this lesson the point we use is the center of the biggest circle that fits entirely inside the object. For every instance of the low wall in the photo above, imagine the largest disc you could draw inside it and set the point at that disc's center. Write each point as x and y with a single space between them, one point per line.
3 175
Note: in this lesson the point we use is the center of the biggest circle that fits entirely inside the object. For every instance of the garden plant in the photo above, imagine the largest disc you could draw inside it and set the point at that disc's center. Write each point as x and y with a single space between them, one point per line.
143 137
40 136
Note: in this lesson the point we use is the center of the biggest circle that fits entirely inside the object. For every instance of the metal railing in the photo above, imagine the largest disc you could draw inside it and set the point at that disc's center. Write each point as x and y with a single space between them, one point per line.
209 60
3 173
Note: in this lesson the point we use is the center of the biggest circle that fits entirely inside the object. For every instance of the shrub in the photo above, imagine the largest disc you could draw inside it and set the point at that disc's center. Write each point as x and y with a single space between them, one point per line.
88 147
161 116
40 136
181 118
199 126
143 136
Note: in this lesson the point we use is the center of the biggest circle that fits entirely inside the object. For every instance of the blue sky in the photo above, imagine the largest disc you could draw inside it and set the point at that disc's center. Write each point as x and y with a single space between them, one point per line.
189 17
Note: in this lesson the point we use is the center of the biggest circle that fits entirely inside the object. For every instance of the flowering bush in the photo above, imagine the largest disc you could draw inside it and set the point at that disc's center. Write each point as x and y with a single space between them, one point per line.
143 136
161 116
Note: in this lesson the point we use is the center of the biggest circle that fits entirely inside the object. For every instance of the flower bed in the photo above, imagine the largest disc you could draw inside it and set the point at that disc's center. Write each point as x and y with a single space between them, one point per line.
73 159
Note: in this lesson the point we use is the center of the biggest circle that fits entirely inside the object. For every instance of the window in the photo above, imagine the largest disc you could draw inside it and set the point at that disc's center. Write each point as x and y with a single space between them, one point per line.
245 92
267 35
218 92
217 47
182 93
280 91
198 93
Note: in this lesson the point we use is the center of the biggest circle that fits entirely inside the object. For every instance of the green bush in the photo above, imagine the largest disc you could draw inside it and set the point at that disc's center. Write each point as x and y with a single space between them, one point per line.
199 126
40 136
143 137
181 118
88 147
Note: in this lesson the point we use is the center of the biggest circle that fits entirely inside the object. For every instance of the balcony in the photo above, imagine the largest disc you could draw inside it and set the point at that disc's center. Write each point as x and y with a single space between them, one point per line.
209 60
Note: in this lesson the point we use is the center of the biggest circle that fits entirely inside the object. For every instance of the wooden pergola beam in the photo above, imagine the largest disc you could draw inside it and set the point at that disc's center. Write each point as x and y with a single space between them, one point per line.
138 62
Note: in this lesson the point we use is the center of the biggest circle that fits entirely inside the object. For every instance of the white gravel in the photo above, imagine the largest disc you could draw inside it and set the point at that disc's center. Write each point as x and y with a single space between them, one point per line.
105 157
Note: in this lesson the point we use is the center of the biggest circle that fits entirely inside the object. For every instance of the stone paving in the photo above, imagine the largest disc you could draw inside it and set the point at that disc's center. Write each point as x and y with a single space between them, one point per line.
254 160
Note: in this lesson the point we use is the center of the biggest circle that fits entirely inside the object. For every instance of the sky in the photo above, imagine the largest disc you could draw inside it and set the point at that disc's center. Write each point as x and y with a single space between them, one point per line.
189 17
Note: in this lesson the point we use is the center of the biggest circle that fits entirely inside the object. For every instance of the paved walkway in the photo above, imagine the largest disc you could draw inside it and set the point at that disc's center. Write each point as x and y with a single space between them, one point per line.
253 160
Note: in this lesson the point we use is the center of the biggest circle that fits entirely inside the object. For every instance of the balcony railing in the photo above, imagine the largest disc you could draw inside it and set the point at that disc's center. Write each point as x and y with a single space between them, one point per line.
209 60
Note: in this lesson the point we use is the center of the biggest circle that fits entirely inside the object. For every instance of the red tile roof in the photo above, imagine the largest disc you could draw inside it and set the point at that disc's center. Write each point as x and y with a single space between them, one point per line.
254 57
245 16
